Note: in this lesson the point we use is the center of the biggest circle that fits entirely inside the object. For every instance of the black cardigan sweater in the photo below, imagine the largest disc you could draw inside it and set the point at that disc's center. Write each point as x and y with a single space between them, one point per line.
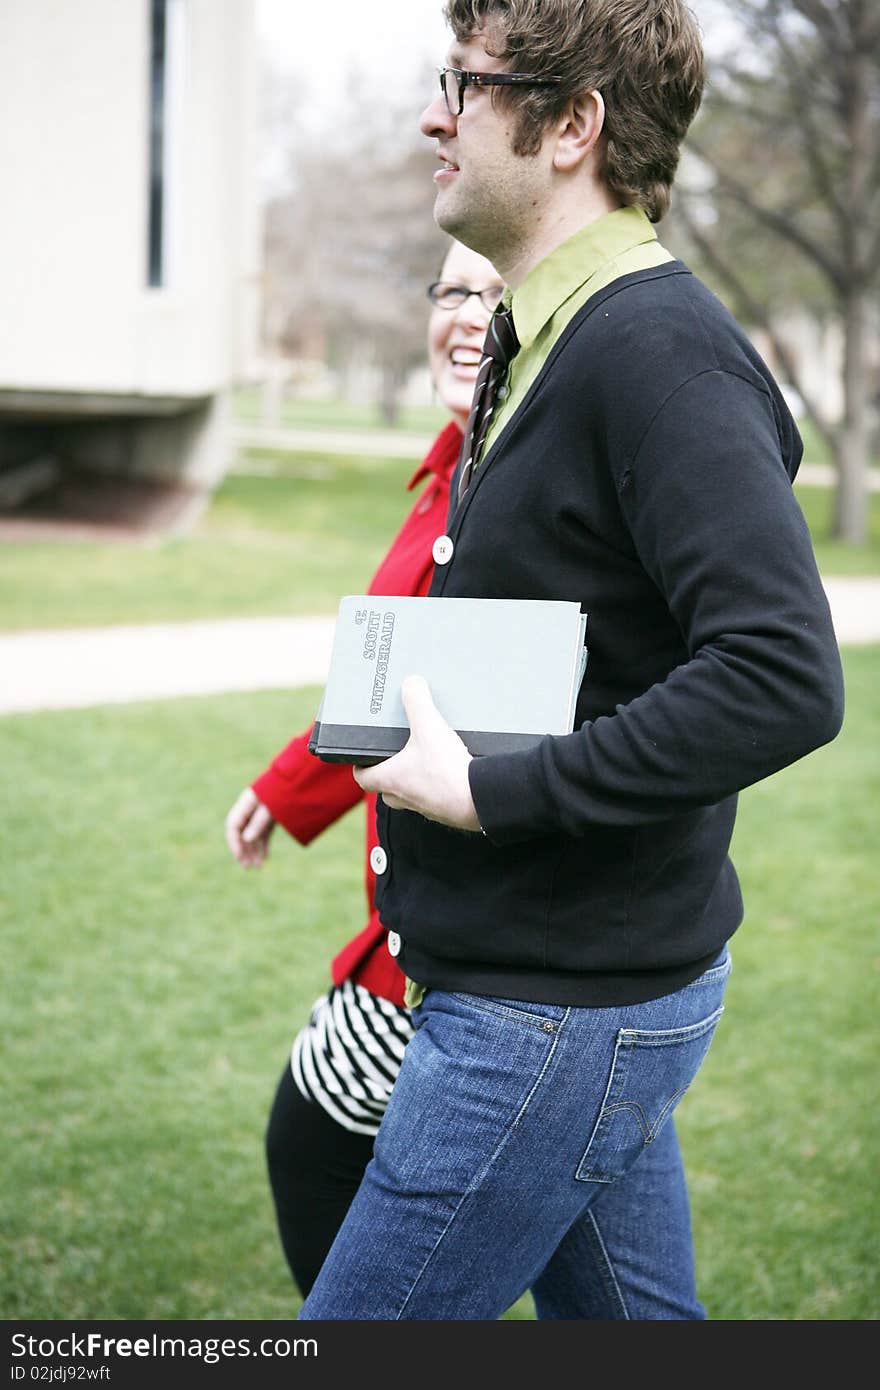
646 475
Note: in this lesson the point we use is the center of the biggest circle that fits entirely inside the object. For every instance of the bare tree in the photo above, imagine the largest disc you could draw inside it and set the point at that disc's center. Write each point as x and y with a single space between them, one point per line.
350 248
788 137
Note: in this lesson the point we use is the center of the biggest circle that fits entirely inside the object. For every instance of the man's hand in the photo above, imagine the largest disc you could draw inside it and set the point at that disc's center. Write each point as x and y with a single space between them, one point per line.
430 773
249 825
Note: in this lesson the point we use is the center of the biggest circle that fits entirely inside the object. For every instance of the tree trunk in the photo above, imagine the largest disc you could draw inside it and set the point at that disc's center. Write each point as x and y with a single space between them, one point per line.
851 510
271 392
389 402
852 501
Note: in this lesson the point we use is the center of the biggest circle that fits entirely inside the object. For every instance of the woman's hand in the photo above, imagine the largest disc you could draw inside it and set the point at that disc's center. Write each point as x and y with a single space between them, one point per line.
249 826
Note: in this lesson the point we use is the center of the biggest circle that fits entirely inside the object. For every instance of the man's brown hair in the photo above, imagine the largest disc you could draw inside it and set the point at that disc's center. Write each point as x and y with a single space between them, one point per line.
644 56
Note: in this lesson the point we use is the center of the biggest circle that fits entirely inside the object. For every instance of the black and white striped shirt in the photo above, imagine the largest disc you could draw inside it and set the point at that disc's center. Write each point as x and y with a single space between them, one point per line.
347 1056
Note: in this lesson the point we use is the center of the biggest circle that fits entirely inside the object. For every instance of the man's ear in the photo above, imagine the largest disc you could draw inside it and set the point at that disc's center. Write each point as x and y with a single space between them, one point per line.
579 131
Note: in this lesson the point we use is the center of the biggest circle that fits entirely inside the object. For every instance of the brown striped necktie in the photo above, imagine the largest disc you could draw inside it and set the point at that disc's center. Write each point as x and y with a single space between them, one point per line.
499 350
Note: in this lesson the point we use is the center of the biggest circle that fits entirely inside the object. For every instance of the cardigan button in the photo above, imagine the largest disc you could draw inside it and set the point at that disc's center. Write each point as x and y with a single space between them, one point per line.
442 550
378 859
393 944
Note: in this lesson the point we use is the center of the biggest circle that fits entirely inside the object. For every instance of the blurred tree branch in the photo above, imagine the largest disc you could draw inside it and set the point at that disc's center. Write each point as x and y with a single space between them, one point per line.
789 159
756 312
352 245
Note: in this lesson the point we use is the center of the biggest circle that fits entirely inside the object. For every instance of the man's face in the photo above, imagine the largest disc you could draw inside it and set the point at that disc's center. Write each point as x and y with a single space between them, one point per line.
487 197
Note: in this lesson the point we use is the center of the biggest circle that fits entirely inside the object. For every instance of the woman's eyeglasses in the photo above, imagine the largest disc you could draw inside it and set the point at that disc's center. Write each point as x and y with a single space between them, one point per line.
445 295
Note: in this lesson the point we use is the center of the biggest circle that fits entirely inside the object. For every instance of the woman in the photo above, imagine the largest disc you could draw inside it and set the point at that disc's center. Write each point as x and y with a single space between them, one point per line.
332 1096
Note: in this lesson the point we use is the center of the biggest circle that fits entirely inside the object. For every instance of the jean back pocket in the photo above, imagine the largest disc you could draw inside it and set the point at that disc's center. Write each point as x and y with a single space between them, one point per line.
650 1073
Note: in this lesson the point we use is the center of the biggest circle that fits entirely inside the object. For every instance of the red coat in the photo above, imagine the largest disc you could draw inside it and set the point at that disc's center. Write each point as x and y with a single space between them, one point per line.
306 795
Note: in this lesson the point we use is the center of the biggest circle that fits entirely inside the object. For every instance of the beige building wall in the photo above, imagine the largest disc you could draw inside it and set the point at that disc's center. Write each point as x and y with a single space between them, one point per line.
82 334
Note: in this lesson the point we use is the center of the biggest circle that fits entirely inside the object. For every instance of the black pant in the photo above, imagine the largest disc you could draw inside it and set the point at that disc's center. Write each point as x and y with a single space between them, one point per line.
315 1168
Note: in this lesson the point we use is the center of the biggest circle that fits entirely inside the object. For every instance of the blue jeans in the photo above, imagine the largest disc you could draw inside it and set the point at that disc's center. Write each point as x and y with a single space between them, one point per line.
529 1146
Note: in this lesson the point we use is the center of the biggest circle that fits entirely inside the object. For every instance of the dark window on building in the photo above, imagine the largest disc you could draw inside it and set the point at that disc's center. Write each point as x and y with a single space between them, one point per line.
155 244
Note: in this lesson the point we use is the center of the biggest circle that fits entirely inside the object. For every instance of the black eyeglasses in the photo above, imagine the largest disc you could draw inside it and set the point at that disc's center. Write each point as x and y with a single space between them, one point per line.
445 295
455 81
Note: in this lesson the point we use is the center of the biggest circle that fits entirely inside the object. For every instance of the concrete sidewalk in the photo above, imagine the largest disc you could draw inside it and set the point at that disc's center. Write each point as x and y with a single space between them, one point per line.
80 667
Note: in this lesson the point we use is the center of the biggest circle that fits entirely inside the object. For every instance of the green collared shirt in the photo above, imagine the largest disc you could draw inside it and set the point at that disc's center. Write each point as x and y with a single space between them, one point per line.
617 244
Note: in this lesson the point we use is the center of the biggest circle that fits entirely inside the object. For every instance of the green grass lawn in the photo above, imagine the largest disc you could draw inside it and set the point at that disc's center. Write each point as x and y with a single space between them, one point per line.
153 988
285 533
355 415
833 556
290 539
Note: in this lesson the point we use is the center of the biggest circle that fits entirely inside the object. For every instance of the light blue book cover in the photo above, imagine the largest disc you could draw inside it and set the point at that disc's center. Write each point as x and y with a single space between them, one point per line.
503 672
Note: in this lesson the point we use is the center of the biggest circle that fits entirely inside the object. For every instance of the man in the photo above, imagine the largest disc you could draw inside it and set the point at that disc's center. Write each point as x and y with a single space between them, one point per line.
563 913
